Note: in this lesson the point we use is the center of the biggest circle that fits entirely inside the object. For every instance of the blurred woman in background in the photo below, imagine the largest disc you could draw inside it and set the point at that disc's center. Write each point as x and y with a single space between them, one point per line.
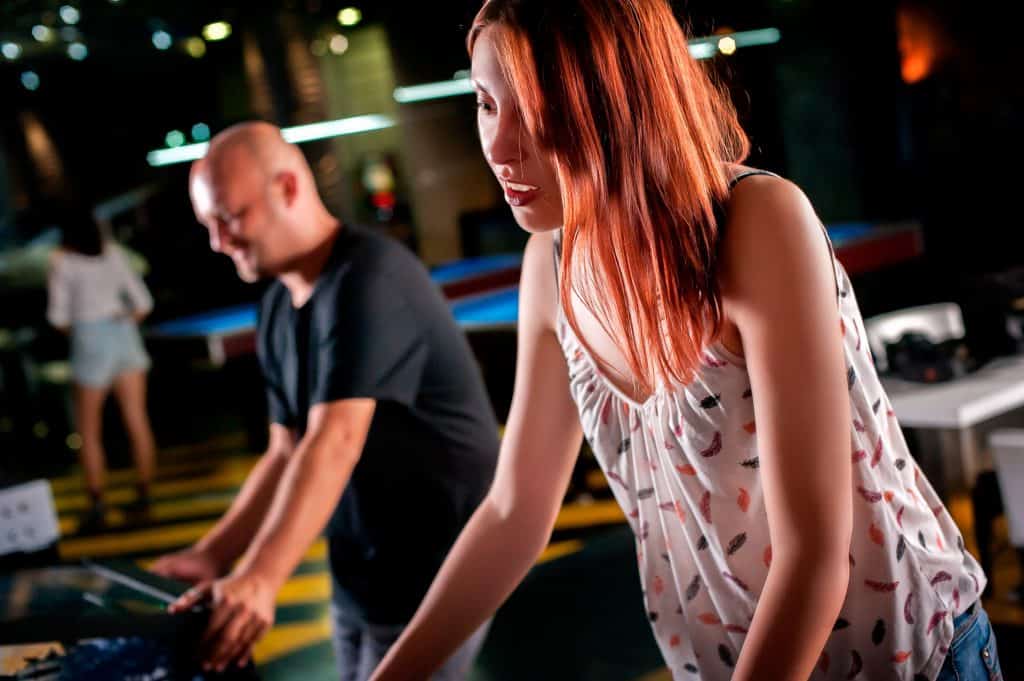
99 300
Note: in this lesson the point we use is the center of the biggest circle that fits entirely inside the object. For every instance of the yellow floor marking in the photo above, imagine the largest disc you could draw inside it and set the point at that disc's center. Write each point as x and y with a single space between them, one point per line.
559 549
314 588
105 546
125 477
596 480
660 675
318 551
231 475
585 515
289 638
179 509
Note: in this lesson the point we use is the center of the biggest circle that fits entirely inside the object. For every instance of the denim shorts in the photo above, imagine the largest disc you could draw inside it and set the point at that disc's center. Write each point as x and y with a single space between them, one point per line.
103 350
972 654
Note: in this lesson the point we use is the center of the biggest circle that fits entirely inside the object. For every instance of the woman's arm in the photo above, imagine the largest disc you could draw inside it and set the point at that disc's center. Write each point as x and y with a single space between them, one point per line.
139 297
513 524
779 289
58 303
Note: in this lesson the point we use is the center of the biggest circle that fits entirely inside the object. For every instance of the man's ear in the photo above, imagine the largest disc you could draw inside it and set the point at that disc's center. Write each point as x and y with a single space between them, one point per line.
288 184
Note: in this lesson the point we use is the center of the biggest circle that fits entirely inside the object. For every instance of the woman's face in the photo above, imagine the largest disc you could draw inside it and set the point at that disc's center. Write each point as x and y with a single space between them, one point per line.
527 174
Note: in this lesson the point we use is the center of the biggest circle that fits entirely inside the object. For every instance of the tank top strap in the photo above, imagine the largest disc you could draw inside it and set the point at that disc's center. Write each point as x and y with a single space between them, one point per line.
720 214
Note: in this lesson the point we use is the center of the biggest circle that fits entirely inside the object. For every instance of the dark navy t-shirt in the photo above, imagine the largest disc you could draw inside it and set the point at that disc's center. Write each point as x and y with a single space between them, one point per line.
378 327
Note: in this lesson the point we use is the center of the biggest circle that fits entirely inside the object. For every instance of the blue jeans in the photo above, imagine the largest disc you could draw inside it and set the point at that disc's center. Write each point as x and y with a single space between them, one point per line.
972 654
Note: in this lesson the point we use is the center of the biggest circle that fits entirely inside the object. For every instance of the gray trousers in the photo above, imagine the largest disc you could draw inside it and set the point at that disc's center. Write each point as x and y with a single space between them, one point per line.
359 647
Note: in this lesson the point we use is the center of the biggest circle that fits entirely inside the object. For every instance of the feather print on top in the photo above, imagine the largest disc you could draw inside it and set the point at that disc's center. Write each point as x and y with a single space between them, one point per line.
686 463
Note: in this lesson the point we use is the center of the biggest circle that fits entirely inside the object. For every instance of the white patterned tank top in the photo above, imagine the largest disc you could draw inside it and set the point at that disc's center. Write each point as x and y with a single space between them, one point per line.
683 466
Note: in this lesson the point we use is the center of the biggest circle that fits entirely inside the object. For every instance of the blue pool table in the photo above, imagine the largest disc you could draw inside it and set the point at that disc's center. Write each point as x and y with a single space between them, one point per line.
482 292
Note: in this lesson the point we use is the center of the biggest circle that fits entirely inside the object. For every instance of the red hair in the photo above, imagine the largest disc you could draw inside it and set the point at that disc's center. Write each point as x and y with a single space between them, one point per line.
641 139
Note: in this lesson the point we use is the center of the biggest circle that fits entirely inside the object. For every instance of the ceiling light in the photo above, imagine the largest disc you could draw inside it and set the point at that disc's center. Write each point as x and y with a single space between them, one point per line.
219 30
78 51
11 50
162 40
69 14
30 79
350 16
195 46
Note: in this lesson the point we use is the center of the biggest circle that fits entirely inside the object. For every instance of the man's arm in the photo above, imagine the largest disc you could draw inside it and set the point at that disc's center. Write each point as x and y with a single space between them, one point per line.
213 555
311 483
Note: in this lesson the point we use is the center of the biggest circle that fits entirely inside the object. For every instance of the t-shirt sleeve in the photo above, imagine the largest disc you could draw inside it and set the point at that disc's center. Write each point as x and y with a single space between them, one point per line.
131 283
277 405
374 347
58 307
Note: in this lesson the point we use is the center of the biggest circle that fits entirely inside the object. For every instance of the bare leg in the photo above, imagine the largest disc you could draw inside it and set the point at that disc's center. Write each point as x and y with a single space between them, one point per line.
89 420
130 390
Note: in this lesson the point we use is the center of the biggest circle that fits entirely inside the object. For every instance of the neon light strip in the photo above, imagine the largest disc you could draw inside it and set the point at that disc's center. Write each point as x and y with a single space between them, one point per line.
296 135
445 88
762 36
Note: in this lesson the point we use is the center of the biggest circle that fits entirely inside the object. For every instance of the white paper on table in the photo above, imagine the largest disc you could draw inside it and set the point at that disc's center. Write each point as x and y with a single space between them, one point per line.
28 518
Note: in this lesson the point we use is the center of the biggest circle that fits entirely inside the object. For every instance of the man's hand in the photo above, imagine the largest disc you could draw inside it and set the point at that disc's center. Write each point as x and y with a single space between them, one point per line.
242 610
190 565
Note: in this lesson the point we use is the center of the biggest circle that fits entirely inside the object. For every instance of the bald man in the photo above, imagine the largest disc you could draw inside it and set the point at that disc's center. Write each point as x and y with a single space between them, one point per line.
381 433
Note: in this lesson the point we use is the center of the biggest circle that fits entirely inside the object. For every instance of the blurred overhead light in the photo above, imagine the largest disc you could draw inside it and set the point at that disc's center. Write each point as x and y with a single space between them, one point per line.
200 132
175 138
11 50
162 40
337 128
78 51
42 33
350 16
30 79
295 135
338 44
219 30
700 48
195 46
445 88
69 14
166 157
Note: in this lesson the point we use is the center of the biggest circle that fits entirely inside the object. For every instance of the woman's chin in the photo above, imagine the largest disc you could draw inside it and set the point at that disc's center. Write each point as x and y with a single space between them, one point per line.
533 223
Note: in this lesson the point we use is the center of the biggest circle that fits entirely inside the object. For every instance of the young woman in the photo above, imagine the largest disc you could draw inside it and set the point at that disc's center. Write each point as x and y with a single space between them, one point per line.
96 298
689 313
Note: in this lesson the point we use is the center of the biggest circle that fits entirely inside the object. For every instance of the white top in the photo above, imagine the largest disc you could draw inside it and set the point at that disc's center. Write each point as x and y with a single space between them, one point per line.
84 288
684 467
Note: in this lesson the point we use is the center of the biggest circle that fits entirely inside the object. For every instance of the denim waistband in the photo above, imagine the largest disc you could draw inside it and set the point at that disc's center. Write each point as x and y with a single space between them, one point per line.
964 616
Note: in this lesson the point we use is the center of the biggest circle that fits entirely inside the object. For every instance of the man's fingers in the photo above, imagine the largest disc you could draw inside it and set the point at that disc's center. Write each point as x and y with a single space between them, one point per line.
191 598
238 643
221 616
